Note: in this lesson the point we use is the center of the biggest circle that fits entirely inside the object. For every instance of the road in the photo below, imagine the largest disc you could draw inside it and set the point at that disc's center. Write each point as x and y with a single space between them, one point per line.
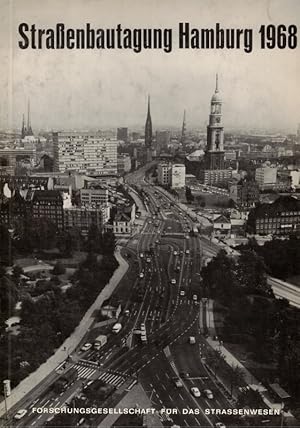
160 296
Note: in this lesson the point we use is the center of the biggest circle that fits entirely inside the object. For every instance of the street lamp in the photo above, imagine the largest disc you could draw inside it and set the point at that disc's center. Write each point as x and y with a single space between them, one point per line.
7 391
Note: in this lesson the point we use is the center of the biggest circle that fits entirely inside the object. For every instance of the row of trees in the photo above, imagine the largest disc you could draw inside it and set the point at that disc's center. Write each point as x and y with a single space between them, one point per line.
282 257
266 326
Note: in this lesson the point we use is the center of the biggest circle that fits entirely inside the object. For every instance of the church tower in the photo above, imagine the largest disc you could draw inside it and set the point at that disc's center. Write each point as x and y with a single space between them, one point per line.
148 127
214 155
29 129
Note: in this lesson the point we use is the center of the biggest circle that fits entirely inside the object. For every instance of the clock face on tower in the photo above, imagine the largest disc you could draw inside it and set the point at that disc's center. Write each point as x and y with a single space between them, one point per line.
218 119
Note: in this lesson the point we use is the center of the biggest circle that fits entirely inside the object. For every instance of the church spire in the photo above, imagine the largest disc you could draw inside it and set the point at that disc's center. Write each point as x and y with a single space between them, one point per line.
148 127
29 129
217 83
23 132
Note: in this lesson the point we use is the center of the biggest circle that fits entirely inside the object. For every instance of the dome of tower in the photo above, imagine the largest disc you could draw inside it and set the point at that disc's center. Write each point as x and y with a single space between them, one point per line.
216 98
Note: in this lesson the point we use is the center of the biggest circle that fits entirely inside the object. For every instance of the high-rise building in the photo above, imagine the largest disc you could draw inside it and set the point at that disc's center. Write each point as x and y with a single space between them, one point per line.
164 173
122 134
84 152
214 170
266 176
148 127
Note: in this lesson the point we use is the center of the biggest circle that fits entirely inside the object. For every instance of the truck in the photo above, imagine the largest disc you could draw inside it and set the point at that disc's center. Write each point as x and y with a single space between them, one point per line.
116 328
100 341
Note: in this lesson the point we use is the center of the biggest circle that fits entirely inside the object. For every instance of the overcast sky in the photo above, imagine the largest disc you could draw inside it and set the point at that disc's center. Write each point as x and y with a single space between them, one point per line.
83 89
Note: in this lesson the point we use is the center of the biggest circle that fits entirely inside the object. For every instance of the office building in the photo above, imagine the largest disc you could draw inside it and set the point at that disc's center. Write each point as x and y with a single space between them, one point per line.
266 176
164 173
94 196
85 153
84 217
124 163
282 217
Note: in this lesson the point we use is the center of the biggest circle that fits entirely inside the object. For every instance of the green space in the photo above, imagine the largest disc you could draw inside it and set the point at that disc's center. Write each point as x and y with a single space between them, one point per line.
260 328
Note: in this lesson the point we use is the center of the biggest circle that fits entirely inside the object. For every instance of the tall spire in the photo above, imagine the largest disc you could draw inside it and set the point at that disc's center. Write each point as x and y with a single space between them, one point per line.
183 130
217 83
23 127
148 127
148 114
29 129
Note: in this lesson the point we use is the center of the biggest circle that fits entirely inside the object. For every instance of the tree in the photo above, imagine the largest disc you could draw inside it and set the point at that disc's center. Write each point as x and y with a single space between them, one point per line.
252 271
250 398
236 377
17 271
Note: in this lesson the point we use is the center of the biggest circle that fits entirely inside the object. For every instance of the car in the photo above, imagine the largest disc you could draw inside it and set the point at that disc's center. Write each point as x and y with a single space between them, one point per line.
195 297
182 293
220 425
178 383
195 391
192 340
148 260
141 275
150 221
175 253
143 326
173 281
187 251
86 347
208 394
20 414
184 375
141 255
127 312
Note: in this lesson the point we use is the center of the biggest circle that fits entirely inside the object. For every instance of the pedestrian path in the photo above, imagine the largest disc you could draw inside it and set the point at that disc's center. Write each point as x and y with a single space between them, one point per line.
35 378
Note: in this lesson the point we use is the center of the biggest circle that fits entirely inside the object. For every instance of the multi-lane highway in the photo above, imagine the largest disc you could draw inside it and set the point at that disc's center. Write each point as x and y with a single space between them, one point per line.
160 300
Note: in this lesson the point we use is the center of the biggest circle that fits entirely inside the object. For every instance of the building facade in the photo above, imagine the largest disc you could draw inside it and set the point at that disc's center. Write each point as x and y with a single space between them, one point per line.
164 173
280 218
245 193
266 176
93 196
85 153
178 176
83 218
124 163
48 204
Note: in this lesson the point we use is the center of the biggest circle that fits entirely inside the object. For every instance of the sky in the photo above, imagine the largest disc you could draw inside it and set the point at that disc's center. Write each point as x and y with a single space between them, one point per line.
97 89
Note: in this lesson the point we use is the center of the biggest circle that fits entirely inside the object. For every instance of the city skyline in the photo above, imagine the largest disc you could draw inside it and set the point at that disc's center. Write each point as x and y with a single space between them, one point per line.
91 89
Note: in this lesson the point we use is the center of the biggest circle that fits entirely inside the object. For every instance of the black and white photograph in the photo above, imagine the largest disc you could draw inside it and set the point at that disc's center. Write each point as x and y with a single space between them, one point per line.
149 213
